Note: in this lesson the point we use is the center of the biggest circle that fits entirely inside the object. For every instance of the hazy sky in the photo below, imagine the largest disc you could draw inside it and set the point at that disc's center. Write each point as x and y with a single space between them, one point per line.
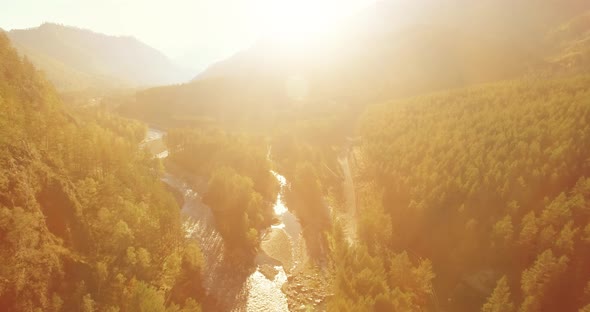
194 31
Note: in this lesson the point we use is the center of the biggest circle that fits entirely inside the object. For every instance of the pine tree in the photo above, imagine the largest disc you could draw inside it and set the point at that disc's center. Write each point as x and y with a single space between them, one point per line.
537 279
499 300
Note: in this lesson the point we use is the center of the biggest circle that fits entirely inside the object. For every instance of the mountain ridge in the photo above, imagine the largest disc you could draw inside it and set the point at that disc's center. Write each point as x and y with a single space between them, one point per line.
102 61
363 65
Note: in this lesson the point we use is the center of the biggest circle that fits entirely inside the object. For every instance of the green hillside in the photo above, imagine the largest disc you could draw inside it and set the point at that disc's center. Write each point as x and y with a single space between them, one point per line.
485 182
85 222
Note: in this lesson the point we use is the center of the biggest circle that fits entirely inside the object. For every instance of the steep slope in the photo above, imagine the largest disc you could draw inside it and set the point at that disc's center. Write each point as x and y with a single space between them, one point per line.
486 182
76 58
66 78
85 222
384 52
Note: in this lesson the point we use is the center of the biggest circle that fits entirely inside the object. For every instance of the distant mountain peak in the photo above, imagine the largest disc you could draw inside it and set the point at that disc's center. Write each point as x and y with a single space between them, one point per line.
76 58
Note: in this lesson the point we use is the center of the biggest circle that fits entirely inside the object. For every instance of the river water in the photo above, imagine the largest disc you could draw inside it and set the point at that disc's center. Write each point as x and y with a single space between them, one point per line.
260 293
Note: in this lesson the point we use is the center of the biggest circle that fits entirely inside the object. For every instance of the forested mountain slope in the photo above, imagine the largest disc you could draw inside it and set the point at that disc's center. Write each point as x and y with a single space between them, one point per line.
490 183
76 59
486 182
85 222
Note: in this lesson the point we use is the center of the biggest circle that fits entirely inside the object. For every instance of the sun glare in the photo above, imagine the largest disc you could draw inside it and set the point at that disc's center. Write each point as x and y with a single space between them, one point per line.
295 21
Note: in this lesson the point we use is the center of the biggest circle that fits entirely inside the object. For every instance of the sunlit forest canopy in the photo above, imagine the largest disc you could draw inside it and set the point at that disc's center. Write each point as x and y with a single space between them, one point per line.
497 177
85 222
295 156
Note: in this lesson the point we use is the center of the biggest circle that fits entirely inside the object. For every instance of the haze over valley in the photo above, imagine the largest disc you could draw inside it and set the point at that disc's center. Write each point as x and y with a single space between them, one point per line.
295 156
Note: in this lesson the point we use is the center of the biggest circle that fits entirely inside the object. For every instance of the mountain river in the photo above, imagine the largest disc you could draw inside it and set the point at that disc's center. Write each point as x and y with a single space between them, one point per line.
257 292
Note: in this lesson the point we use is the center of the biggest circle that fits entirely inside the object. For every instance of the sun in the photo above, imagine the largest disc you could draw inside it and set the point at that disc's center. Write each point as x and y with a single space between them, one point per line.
297 20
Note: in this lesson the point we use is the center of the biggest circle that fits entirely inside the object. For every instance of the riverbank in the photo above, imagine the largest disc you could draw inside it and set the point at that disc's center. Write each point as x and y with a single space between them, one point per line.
307 288
283 279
